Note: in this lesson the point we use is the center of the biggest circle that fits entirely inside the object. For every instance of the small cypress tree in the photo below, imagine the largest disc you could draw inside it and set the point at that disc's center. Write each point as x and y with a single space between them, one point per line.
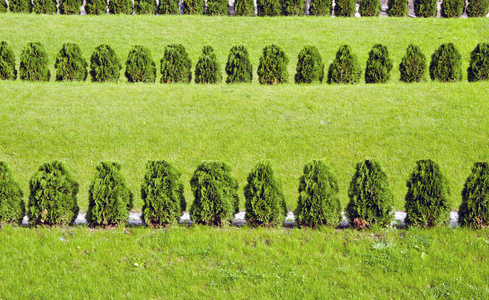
479 63
425 8
70 7
7 62
369 8
145 7
265 201
208 69
168 7
452 8
104 64
268 8
320 7
96 7
244 8
474 210
345 68
428 196
476 8
140 66
47 7
3 6
318 203
176 65
310 66
34 63
12 206
239 68
293 7
70 64
120 7
413 65
397 8
215 194
217 8
371 200
52 199
345 8
193 7
109 198
273 66
20 6
379 65
446 64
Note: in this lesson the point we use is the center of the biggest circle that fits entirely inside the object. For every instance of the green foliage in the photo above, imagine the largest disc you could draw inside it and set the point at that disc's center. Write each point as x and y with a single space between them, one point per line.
3 6
7 62
104 64
208 69
175 65
96 7
268 8
397 8
294 7
20 6
70 64
217 8
12 206
168 7
193 7
479 63
47 7
140 66
120 7
446 64
371 199
215 194
474 210
477 8
109 198
34 63
310 66
369 8
70 7
413 65
345 8
425 8
320 7
52 199
345 68
273 66
379 65
452 8
145 7
239 68
244 8
428 196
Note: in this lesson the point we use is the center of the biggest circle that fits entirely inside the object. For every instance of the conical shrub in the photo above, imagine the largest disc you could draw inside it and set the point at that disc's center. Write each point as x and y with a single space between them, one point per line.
244 8
319 203
3 6
273 66
70 7
70 64
20 6
215 194
476 8
52 199
217 8
145 7
162 194
446 64
34 63
7 62
239 68
320 7
140 66
345 68
345 8
120 7
104 64
193 7
474 210
425 8
371 200
310 66
96 7
208 69
175 65
268 8
265 201
479 63
12 206
47 7
452 8
168 7
293 7
379 65
109 198
413 65
397 8
369 8
428 196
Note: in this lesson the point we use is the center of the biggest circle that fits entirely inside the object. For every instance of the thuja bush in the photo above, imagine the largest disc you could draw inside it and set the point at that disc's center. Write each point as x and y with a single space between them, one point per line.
474 210
369 8
413 65
244 8
345 8
371 200
293 7
397 8
162 194
70 7
47 7
3 6
145 7
109 198
7 62
96 7
52 199
479 63
318 203
310 66
208 69
379 65
452 8
215 194
175 65
217 8
320 7
238 67
425 8
272 68
104 64
345 68
20 6
446 64
140 66
70 64
476 8
34 63
427 201
12 206
120 7
268 8
265 202
193 7
168 7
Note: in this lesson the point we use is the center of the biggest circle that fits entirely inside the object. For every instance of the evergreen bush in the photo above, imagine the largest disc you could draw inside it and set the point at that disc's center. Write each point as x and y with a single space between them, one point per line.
215 194
452 8
239 68
428 196
3 6
140 66
413 65
120 7
474 210
193 7
397 8
7 62
47 7
208 69
371 200
345 8
162 194
293 7
425 8
369 8
145 7
12 206
320 7
268 8
96 7
318 203
70 7
476 8
345 68
446 64
34 63
104 64
52 199
244 8
20 6
265 202
379 65
175 65
479 63
217 8
168 7
109 198
310 66
273 66
70 64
